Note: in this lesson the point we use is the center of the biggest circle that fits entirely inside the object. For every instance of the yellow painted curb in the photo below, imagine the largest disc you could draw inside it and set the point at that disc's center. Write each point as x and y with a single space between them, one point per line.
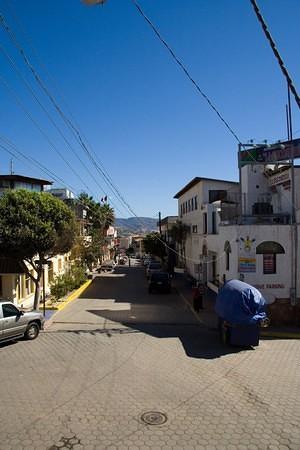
74 295
279 334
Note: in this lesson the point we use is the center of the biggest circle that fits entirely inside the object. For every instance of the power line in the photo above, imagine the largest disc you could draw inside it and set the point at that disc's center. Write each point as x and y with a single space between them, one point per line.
276 52
73 128
185 70
8 146
18 100
29 87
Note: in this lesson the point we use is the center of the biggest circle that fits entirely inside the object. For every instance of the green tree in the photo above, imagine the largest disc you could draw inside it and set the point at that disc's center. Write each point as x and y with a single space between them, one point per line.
178 233
99 218
34 226
154 245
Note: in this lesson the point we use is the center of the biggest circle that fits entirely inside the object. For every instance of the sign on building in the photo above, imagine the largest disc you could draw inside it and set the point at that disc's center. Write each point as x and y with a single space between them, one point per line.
281 151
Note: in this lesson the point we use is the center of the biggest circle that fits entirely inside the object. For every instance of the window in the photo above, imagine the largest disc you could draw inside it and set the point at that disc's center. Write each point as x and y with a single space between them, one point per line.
27 285
214 222
205 223
9 311
195 229
214 267
269 264
192 203
59 264
217 194
50 272
189 205
227 260
227 250
269 250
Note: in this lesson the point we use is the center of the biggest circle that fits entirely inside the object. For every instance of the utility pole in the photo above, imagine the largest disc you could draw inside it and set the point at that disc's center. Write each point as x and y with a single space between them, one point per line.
294 255
159 222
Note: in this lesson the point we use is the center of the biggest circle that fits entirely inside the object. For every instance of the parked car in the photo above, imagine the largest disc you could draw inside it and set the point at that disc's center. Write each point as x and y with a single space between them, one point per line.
15 324
107 266
159 281
153 267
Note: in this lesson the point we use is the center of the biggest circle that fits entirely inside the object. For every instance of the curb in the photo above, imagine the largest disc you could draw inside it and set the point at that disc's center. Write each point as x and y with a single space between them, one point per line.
68 300
280 334
263 333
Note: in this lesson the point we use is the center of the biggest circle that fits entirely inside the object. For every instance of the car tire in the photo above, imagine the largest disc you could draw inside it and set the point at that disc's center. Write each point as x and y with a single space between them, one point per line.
32 331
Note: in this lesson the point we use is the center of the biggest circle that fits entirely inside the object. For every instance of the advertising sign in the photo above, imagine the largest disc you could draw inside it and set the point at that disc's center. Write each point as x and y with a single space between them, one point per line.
247 256
280 178
247 265
281 151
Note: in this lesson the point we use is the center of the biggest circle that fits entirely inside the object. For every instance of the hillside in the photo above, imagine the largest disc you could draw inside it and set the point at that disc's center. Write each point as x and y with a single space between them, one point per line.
136 225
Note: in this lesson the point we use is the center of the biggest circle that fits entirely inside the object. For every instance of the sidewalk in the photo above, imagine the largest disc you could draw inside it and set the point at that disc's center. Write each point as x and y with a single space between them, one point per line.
50 313
208 318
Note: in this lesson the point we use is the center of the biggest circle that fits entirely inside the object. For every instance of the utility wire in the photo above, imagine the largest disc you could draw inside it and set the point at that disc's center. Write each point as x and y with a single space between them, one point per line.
185 70
7 145
10 148
276 52
68 122
29 87
18 100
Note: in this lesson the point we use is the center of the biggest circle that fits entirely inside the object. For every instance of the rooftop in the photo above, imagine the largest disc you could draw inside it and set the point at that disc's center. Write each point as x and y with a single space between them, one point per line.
25 179
197 180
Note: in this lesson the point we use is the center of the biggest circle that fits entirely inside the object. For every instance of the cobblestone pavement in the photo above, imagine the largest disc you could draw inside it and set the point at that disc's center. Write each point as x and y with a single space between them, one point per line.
118 352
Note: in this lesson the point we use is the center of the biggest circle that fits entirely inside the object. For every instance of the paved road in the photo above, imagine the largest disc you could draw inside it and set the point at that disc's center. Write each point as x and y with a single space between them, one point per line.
118 352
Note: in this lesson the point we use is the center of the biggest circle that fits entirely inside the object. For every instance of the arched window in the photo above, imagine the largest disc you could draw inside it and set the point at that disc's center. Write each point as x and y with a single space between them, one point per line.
227 250
269 250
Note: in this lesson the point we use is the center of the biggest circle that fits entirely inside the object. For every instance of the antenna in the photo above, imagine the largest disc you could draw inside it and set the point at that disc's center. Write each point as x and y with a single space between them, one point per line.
11 166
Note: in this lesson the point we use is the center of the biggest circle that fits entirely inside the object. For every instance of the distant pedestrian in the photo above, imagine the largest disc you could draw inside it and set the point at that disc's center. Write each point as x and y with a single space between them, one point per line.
198 293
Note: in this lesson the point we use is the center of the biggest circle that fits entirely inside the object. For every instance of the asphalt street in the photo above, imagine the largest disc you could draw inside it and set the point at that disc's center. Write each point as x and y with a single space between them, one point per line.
119 368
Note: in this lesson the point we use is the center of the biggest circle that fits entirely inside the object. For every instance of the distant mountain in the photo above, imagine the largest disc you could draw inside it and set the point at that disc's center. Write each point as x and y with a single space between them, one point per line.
136 225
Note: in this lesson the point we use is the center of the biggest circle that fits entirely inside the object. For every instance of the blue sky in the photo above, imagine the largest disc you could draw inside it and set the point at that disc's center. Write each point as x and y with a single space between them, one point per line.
141 116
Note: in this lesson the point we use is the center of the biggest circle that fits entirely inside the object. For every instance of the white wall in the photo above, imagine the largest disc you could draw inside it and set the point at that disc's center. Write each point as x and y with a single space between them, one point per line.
272 286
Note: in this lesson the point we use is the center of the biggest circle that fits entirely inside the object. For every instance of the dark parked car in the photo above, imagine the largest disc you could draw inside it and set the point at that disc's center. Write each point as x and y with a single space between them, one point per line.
159 281
152 268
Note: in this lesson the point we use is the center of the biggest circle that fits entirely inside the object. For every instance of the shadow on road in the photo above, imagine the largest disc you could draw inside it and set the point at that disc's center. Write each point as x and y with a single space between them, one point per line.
196 341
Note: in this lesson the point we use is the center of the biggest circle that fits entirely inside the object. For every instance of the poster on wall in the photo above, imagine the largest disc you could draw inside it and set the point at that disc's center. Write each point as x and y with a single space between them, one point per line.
247 265
247 256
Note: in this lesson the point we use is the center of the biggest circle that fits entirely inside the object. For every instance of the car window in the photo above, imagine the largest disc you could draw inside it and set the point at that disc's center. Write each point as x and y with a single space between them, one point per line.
154 266
9 310
160 276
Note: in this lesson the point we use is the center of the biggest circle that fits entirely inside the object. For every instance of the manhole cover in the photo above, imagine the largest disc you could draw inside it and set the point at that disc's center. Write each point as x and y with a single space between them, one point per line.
154 418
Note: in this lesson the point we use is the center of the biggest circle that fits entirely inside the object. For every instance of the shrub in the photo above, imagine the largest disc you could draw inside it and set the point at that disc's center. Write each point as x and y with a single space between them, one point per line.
68 282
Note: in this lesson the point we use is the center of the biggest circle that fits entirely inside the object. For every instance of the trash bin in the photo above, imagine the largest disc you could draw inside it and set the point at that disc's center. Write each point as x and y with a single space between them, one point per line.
241 311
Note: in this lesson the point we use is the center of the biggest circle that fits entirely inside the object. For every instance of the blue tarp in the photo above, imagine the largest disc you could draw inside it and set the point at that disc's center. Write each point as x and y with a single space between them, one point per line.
240 303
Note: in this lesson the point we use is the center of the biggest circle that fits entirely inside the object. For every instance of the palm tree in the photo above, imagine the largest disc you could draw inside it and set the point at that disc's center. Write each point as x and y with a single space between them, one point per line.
107 216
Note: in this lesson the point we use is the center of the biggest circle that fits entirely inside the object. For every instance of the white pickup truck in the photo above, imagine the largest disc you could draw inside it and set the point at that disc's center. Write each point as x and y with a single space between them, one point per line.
15 324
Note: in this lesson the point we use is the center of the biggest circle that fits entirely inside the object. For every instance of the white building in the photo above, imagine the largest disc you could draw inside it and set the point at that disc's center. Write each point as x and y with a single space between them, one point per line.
245 230
197 210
